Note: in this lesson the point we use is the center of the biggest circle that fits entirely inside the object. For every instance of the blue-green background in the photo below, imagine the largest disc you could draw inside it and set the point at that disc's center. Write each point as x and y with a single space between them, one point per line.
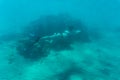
99 15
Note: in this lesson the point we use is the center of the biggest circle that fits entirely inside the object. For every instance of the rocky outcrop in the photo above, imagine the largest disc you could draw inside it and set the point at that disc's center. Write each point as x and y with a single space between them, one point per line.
50 33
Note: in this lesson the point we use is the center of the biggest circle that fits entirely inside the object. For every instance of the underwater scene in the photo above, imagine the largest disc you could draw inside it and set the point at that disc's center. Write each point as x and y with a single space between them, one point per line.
59 39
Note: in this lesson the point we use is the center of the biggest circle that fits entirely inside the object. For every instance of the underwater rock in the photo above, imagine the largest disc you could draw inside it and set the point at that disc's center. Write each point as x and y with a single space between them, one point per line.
50 33
31 50
37 49
50 24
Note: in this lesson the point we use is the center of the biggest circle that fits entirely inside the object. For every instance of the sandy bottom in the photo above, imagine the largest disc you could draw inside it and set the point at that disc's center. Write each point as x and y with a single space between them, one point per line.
97 60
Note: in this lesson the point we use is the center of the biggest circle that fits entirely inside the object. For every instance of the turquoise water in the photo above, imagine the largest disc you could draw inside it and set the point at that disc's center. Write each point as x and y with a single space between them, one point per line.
59 40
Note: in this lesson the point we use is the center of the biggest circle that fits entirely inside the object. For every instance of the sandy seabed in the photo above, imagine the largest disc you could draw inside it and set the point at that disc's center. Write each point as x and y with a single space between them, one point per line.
97 60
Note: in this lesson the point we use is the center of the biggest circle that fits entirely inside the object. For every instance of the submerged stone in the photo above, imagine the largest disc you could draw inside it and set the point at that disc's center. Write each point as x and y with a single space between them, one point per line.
50 33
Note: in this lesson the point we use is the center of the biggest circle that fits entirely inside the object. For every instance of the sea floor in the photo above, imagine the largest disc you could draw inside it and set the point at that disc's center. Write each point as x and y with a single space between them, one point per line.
96 60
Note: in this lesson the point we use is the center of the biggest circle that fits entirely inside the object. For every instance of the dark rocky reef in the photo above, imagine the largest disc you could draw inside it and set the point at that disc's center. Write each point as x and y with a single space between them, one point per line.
50 24
50 33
